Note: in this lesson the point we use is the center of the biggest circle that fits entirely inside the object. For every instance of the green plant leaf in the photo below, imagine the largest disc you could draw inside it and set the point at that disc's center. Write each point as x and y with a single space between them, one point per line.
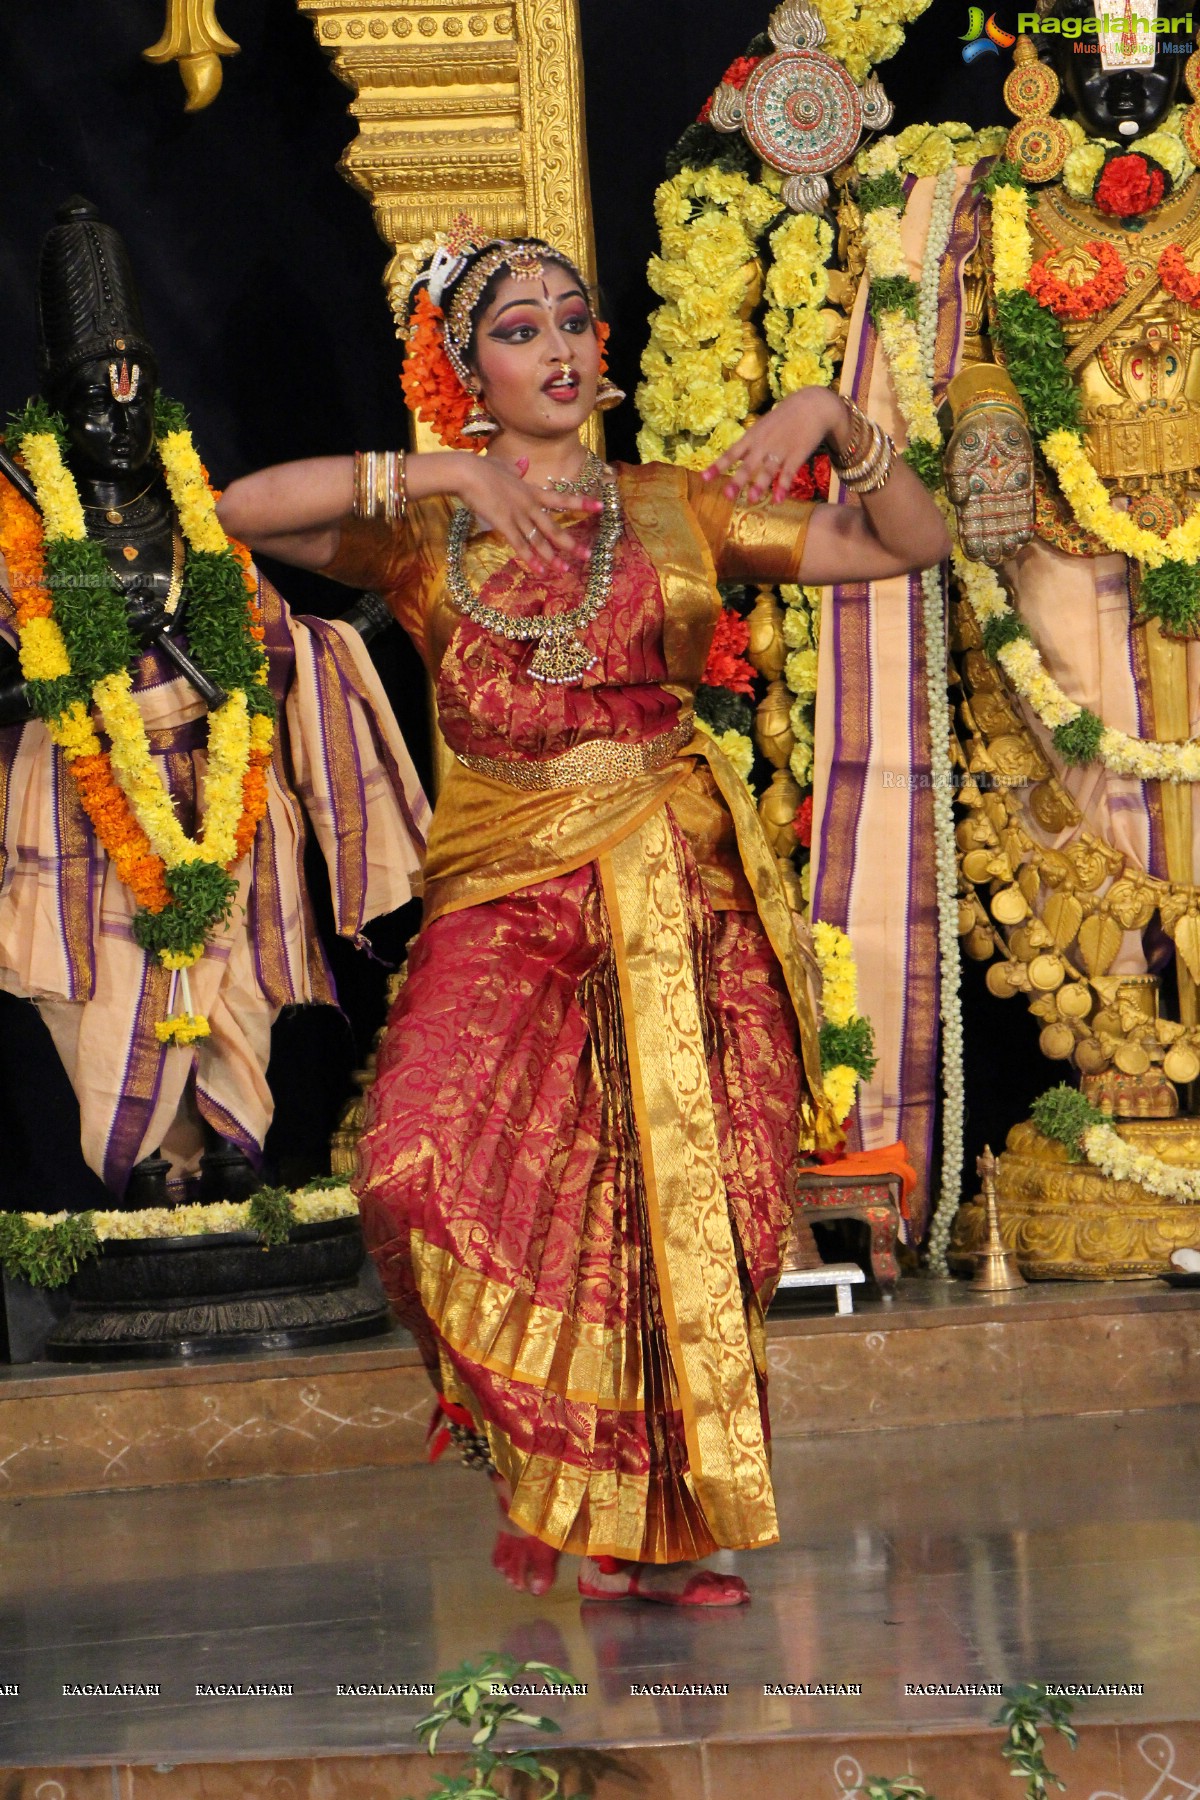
1078 741
1063 1114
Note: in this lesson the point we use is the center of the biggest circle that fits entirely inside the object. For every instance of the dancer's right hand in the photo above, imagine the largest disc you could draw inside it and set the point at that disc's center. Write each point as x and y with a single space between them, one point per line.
523 512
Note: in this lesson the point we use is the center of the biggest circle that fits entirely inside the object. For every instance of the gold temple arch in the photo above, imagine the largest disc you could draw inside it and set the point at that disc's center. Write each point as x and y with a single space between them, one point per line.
464 108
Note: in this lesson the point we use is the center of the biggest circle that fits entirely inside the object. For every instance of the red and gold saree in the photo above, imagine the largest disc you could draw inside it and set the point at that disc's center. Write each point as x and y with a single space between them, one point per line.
603 1059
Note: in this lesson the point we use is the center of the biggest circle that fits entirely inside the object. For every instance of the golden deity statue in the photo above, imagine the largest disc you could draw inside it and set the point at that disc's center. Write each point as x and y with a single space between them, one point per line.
1078 852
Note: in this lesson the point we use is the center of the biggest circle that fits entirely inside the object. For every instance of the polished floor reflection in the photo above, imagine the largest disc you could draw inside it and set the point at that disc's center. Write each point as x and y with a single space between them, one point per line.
1061 1549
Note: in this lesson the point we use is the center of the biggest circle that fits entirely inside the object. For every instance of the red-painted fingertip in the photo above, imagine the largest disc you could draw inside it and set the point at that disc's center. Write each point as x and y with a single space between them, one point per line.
731 492
522 465
707 474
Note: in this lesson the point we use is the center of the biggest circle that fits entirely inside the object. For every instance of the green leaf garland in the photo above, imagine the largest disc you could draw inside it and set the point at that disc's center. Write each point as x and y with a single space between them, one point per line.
852 1044
202 896
90 610
1171 594
925 461
272 1215
1006 628
46 1256
1062 1113
1035 356
875 191
894 293
1078 741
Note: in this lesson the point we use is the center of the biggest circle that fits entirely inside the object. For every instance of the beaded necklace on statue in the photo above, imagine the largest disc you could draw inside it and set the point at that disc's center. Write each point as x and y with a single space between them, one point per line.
561 657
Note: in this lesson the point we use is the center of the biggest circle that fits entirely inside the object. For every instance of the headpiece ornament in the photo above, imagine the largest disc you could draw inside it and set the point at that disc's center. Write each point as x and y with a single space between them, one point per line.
88 307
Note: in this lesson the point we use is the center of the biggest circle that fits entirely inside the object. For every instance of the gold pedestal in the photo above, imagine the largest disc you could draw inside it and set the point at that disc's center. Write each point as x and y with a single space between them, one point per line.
1067 1222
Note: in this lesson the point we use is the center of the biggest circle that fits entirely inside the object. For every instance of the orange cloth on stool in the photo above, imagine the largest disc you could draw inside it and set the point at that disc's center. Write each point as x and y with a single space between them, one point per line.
888 1159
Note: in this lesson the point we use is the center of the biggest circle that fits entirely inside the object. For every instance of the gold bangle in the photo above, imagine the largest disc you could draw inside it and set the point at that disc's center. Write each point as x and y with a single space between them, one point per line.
850 473
854 461
875 477
380 485
860 428
400 485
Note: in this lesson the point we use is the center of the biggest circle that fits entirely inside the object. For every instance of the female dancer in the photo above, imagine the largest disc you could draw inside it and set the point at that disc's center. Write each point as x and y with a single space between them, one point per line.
604 1059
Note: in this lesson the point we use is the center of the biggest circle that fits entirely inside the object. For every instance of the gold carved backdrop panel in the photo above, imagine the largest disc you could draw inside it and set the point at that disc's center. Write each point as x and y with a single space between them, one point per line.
464 108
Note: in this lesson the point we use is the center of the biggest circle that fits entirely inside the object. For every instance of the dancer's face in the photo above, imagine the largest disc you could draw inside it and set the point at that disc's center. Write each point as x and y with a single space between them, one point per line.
537 354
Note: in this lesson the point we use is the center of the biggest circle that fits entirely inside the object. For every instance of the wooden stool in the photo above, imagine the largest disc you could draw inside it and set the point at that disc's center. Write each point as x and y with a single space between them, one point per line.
875 1199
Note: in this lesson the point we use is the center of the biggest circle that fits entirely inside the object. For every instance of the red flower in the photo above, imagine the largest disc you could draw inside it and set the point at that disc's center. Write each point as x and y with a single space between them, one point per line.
802 823
739 71
1081 299
1177 277
736 76
1129 185
727 666
811 480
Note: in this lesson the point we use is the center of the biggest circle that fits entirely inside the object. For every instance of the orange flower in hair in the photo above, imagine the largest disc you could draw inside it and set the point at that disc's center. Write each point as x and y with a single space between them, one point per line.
432 389
602 330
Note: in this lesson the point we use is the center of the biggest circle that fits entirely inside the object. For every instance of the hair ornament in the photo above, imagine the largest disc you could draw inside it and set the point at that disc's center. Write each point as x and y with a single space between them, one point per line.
524 263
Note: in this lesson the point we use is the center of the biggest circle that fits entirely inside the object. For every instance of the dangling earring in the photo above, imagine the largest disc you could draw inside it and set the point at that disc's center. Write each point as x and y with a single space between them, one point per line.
608 395
1037 143
479 422
1189 128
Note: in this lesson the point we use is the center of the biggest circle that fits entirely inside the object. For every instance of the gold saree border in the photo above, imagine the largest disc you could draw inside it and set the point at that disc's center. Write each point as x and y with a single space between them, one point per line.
695 1255
497 1327
817 1124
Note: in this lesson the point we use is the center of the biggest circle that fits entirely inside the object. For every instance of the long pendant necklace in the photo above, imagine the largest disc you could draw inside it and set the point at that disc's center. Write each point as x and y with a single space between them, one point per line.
561 657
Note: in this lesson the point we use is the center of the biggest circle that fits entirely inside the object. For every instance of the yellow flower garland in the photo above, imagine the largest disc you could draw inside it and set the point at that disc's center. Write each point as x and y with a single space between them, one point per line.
839 1006
1021 661
43 654
1066 450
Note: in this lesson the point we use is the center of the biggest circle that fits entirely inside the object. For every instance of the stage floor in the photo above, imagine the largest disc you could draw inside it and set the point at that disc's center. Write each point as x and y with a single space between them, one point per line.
1055 1549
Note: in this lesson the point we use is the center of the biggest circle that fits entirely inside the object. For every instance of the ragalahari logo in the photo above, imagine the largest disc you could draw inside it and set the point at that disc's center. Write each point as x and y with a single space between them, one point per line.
983 37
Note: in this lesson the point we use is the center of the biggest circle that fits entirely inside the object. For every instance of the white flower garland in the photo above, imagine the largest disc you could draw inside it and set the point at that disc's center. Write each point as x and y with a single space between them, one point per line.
1108 1153
908 349
310 1206
1021 661
942 773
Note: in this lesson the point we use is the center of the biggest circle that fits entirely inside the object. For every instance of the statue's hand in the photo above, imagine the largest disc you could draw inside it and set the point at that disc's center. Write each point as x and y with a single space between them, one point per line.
148 618
370 616
989 477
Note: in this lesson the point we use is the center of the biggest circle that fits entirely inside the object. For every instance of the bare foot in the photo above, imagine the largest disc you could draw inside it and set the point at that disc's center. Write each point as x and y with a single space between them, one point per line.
525 1562
666 1584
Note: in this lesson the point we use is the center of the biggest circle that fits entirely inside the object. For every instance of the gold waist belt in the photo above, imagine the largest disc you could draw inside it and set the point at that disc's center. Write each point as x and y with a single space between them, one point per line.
1153 443
599 760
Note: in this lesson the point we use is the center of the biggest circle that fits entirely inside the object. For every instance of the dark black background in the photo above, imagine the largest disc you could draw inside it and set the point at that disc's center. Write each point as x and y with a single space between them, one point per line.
261 275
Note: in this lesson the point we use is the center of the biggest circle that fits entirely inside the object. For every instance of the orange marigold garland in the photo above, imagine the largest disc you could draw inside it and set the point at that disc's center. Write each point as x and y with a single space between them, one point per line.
22 544
1178 277
1080 300
432 389
727 665
602 330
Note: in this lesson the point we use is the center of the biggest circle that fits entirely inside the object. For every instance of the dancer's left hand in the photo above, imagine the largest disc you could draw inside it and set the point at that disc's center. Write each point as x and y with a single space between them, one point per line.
767 459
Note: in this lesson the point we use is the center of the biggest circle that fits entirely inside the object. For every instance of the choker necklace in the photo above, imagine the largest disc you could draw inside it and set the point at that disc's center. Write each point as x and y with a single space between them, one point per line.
588 481
560 657
115 515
